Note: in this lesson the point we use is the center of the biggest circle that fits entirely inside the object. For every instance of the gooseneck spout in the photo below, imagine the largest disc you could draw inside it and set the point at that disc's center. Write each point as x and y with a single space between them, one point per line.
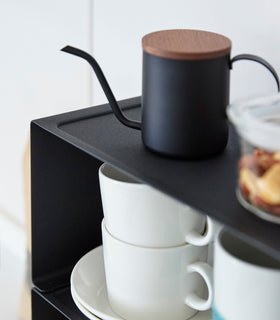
105 86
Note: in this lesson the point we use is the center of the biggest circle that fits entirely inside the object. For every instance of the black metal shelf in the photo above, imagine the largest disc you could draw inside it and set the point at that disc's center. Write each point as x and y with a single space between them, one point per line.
55 305
66 151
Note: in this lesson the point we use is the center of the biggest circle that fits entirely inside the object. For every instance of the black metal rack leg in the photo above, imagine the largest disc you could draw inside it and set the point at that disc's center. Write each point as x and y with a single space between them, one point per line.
66 208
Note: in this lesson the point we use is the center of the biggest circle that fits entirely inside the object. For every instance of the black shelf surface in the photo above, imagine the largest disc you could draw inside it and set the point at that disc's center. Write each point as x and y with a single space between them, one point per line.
58 305
207 185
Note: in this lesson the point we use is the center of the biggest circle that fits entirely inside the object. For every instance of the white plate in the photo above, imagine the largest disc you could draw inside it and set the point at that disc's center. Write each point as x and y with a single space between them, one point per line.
88 288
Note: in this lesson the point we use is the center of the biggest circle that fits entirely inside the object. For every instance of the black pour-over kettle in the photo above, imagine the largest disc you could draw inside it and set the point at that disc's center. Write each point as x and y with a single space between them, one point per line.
185 91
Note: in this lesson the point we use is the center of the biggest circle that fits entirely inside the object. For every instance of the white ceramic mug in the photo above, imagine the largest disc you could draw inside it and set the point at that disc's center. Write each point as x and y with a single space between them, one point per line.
155 283
246 281
141 215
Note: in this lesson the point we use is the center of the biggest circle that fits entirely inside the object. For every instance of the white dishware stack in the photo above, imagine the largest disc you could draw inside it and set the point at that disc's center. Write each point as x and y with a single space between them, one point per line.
155 251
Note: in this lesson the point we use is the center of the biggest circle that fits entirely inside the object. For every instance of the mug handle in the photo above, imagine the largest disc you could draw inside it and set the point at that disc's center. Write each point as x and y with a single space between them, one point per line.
196 239
260 60
206 272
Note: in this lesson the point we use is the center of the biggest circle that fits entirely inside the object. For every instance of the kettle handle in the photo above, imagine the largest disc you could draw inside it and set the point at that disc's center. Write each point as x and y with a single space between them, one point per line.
260 60
105 86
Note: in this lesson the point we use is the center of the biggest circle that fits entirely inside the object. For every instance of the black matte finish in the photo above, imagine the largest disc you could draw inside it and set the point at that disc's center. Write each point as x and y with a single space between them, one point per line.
184 105
206 185
66 207
105 86
57 305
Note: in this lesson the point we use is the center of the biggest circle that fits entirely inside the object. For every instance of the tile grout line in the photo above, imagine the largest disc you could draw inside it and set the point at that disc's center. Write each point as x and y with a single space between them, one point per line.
90 32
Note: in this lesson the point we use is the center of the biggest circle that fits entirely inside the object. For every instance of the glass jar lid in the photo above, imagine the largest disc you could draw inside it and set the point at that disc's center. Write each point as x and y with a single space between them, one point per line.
257 120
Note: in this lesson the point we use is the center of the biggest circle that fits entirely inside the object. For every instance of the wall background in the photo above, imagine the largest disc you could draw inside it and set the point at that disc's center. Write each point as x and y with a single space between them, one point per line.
118 26
38 80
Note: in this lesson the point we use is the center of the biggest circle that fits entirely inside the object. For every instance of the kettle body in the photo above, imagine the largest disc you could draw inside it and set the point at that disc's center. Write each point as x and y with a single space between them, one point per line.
183 105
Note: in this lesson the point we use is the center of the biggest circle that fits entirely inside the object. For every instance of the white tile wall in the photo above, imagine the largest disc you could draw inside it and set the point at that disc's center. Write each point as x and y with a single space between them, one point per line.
13 269
36 80
118 26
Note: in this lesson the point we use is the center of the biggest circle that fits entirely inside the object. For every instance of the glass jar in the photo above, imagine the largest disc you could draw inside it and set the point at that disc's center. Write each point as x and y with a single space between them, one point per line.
257 122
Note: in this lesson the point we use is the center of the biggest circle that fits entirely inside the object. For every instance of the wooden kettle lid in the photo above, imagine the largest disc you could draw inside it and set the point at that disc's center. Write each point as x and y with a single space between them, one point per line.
185 44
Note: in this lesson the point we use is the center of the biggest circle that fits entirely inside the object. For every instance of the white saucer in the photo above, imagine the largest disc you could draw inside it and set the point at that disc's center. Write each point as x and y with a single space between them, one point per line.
88 288
82 309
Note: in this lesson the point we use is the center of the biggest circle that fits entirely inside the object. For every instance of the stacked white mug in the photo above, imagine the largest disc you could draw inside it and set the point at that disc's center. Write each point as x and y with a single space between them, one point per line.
155 251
